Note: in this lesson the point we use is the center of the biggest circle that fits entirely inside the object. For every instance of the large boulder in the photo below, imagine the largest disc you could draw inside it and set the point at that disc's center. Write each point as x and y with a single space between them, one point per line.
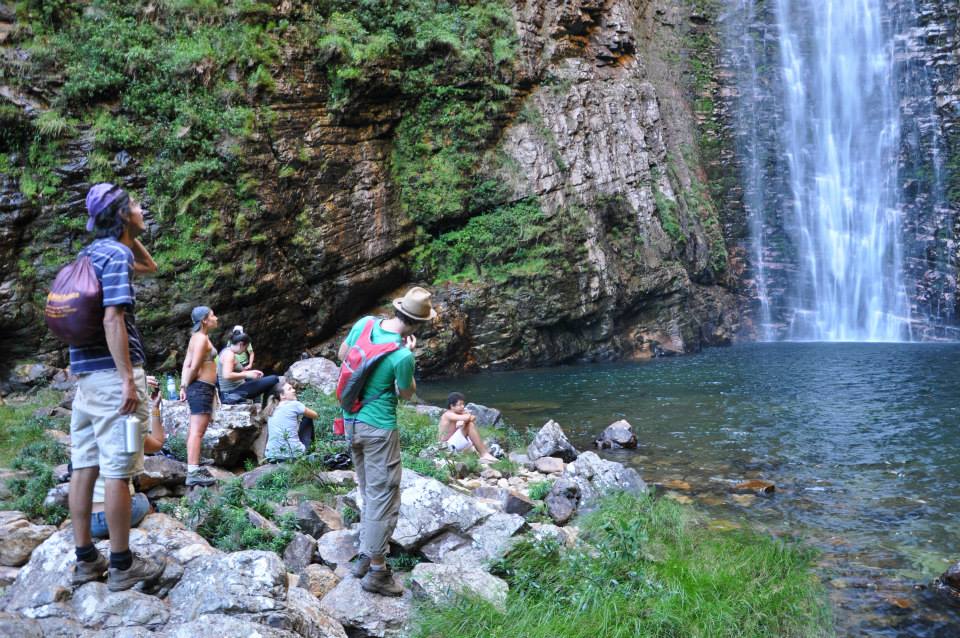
318 579
428 507
366 614
478 546
97 607
229 437
617 435
317 372
598 477
316 518
432 411
161 471
308 618
442 583
339 547
486 417
222 625
19 537
300 552
551 441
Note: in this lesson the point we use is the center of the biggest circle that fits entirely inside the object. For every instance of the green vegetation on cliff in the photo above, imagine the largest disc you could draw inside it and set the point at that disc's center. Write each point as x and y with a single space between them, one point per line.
644 568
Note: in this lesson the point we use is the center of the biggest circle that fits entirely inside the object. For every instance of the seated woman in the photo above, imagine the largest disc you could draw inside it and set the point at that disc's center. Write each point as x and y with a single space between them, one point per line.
237 384
244 357
288 435
458 429
139 504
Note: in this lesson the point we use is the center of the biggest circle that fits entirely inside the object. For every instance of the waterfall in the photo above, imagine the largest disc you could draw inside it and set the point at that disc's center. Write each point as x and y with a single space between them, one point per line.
820 166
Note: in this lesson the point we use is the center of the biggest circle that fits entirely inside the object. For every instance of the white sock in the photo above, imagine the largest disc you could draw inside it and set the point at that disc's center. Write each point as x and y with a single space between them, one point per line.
192 468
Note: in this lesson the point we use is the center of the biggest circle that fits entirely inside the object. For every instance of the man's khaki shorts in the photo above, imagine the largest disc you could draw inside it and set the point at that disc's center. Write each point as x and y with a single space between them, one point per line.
97 429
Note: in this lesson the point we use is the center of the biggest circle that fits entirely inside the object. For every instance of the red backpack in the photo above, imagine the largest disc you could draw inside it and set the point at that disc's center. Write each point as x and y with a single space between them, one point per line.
357 366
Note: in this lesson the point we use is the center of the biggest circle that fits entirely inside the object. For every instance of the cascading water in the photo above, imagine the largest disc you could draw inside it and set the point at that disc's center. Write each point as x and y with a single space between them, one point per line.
821 182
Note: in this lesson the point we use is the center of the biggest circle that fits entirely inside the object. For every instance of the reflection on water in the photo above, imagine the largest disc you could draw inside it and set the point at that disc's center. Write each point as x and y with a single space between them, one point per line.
862 440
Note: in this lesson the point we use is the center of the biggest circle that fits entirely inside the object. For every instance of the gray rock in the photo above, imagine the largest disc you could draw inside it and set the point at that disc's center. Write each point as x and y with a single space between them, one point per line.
597 478
58 496
43 586
563 500
19 537
546 531
486 417
95 606
317 372
250 479
442 583
159 470
316 518
504 499
248 583
19 627
309 619
551 441
8 575
444 544
258 520
229 437
365 613
61 473
300 552
27 375
339 547
477 547
338 478
165 534
549 465
427 507
224 626
521 459
432 411
318 579
617 435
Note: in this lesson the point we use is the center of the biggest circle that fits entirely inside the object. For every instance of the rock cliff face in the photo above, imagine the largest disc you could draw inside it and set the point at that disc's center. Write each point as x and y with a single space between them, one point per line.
599 131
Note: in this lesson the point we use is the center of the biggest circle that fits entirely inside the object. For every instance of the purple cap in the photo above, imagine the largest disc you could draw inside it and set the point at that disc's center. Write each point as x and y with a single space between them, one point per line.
99 197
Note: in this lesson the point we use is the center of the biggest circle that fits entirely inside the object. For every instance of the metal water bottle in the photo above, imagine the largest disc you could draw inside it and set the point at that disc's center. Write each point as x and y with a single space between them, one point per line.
171 389
132 437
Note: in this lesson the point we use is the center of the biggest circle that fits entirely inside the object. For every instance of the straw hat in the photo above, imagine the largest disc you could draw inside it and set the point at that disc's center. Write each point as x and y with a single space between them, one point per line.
416 304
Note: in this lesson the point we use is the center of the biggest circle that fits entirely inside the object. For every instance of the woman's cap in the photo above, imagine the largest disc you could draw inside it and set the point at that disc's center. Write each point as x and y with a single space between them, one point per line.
198 315
238 329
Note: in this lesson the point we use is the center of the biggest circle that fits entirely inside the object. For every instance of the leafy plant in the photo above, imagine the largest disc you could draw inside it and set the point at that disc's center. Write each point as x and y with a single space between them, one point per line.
539 490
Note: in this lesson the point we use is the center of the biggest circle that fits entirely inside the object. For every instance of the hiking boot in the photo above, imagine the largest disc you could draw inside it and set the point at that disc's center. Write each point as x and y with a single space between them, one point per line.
361 567
200 477
87 571
145 570
380 581
206 461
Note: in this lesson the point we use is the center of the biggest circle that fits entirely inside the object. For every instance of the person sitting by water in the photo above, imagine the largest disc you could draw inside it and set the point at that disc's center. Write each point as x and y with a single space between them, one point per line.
236 384
289 426
139 504
458 429
244 357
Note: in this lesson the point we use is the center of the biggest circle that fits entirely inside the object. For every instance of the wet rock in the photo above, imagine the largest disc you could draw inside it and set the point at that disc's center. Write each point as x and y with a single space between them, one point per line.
229 437
363 613
549 465
676 484
316 518
486 417
19 537
563 500
339 547
299 552
597 478
318 579
96 606
757 487
744 500
617 435
442 583
159 470
551 441
317 372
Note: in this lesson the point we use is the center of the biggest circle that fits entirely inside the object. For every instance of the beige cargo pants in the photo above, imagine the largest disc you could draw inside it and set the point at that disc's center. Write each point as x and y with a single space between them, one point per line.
376 460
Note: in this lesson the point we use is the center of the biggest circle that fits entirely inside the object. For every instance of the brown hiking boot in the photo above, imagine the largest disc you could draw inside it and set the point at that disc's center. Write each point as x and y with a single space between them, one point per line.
361 567
86 571
380 581
143 570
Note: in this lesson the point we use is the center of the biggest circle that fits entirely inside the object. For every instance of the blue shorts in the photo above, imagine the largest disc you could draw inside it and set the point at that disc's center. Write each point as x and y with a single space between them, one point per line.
200 397
139 508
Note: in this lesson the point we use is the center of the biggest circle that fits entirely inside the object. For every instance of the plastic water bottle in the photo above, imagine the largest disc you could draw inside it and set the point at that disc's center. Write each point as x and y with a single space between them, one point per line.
171 389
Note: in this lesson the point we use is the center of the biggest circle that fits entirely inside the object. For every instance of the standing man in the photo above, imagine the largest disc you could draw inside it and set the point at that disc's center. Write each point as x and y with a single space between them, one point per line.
111 386
374 440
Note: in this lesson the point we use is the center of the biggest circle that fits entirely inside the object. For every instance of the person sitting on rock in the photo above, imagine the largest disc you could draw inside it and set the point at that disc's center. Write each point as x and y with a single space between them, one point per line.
198 387
289 426
458 429
139 503
237 384
244 357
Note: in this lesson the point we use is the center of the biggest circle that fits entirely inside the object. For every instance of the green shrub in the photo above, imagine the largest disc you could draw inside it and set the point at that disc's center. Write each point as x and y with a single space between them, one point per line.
506 467
539 490
643 568
32 490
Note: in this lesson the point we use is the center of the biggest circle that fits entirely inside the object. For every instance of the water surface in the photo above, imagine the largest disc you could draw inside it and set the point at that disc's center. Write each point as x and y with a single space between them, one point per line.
862 441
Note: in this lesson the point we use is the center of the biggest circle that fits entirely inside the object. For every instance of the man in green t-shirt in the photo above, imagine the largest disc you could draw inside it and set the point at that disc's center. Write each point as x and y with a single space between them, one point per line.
374 440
